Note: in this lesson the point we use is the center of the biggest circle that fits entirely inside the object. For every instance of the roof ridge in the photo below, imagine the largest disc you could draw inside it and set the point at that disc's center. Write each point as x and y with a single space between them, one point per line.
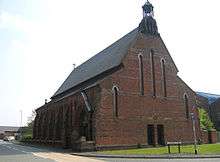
107 59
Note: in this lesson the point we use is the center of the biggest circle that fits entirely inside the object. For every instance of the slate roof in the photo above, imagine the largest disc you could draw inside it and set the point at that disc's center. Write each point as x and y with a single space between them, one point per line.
8 128
107 59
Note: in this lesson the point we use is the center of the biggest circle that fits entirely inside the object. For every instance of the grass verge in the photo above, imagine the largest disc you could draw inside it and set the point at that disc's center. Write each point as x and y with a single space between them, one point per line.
202 150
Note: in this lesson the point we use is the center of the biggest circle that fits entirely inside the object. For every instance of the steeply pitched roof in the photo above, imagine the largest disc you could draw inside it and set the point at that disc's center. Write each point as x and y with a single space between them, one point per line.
107 59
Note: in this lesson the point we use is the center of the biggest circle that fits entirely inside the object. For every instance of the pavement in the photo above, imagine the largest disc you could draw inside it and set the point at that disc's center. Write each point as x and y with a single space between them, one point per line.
12 152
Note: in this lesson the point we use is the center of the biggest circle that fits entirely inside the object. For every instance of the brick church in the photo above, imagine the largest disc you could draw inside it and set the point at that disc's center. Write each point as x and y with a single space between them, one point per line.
127 95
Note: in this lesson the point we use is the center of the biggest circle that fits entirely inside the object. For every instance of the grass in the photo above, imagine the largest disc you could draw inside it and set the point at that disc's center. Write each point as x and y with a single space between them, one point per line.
202 149
27 135
27 132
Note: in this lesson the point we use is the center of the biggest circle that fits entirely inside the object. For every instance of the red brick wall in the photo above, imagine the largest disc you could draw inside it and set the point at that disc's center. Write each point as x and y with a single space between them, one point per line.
136 111
213 136
69 107
209 137
205 137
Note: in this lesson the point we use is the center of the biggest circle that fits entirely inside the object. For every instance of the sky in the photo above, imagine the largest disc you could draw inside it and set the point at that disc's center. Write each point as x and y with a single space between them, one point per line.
40 40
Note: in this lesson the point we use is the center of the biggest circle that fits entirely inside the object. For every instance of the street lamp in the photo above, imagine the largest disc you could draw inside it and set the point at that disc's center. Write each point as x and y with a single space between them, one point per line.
194 132
21 125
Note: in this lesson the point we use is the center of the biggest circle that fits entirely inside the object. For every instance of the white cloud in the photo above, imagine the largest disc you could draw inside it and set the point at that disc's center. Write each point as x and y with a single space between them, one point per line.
10 21
73 31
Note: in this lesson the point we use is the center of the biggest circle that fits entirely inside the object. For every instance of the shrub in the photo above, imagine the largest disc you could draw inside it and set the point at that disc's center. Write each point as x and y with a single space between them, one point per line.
205 121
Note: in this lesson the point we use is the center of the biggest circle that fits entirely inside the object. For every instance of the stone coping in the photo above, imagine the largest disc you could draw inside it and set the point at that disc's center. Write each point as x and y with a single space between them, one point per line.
166 156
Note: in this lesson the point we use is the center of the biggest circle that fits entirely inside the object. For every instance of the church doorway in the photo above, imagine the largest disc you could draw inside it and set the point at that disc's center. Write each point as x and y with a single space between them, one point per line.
150 135
160 135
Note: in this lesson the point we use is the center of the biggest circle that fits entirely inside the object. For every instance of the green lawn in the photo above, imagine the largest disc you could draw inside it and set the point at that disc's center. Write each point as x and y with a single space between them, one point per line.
202 149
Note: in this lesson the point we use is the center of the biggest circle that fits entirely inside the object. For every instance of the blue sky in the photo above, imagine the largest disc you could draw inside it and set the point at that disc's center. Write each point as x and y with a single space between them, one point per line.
41 39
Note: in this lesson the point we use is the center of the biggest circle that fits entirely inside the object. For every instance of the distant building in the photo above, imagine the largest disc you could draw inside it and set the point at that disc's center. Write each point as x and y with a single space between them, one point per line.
211 97
127 95
215 113
211 103
8 131
202 102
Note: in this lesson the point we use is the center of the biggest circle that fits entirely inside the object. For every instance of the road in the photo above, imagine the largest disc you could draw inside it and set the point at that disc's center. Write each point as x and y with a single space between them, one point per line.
14 153
10 152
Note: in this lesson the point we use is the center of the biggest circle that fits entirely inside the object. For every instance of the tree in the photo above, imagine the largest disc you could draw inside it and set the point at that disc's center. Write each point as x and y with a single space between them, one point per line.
205 121
31 118
27 131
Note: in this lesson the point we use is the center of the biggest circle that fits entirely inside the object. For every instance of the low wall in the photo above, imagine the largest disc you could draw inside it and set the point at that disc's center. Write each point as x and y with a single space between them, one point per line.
205 137
213 137
209 137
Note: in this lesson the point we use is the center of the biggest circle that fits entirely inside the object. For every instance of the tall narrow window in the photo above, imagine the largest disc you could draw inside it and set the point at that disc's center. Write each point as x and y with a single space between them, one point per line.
115 101
153 73
163 69
186 102
141 74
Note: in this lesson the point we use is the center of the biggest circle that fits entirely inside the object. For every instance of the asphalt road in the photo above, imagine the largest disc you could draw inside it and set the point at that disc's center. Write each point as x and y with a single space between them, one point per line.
10 152
15 153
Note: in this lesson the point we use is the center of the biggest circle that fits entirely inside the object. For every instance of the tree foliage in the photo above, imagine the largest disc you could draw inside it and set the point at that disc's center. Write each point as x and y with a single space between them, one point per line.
205 121
31 118
27 131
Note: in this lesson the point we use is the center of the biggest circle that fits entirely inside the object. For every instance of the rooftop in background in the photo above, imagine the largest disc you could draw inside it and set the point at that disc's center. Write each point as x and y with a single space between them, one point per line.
8 128
211 97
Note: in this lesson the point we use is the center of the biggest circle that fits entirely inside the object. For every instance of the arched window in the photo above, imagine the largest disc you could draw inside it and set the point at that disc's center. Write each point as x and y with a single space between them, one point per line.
153 72
141 74
186 103
115 100
163 69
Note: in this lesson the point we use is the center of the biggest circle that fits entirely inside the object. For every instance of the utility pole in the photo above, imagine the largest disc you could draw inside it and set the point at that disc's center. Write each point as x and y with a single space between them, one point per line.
194 132
21 124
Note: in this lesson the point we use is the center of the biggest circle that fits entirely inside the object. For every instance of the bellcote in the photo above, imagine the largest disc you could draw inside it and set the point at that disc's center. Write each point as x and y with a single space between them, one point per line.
148 25
148 9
